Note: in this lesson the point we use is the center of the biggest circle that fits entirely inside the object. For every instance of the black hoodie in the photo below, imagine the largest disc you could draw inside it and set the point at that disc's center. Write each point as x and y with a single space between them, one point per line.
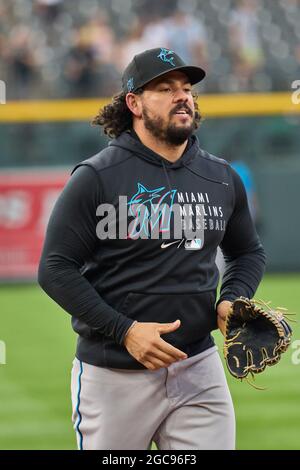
107 284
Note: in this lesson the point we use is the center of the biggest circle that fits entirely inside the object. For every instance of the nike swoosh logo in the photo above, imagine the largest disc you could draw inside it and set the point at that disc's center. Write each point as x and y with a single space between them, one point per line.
165 245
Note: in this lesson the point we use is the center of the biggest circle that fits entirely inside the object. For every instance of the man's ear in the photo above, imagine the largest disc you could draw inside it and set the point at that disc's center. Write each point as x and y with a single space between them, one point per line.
134 104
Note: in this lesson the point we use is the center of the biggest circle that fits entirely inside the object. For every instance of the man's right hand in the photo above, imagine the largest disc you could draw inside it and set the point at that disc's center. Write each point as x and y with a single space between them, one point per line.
144 343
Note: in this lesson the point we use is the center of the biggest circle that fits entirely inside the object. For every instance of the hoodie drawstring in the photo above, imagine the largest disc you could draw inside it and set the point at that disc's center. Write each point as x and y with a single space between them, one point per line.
192 171
167 176
204 177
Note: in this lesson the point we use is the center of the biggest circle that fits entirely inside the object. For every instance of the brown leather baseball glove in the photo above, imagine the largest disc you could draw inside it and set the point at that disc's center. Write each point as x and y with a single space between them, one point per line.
256 336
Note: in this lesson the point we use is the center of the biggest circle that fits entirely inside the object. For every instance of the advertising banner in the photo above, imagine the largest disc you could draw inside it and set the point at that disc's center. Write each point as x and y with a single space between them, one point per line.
26 201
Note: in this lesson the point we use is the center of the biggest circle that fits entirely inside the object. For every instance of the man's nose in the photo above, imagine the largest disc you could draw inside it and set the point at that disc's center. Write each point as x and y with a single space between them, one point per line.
181 95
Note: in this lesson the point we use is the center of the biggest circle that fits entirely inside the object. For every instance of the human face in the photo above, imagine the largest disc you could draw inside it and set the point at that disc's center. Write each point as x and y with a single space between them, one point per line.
168 108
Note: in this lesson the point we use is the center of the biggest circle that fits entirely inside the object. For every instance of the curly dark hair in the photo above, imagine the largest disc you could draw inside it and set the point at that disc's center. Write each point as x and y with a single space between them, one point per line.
116 117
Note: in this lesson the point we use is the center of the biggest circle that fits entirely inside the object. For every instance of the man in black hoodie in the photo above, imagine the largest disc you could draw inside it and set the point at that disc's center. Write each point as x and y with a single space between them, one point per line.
130 254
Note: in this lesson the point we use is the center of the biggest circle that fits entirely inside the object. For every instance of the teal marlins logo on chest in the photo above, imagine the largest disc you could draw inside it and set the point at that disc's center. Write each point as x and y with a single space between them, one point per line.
149 208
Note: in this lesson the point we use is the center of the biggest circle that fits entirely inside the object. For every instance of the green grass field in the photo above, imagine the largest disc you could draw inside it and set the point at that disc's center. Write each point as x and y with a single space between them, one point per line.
35 407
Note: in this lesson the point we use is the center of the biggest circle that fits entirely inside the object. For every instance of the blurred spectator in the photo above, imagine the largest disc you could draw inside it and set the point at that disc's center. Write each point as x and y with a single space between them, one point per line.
80 66
22 60
187 36
91 67
245 43
48 10
100 36
179 32
139 39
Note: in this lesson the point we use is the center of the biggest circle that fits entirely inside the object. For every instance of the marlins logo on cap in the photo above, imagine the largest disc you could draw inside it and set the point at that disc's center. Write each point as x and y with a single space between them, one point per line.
166 56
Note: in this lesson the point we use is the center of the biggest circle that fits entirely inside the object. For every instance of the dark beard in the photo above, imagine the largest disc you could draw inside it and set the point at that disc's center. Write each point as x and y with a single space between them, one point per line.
172 135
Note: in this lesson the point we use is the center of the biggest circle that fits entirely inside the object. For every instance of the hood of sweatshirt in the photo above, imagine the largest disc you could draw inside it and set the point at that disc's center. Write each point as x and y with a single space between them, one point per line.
130 141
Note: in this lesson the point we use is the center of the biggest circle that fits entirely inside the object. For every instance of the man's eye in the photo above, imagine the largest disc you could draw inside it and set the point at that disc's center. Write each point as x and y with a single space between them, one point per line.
169 90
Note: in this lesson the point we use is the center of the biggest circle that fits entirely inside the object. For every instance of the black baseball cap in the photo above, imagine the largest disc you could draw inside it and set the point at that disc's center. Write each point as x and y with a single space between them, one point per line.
153 63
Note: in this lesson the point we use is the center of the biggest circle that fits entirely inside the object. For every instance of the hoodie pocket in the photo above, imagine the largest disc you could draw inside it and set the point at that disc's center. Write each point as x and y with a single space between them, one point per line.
195 310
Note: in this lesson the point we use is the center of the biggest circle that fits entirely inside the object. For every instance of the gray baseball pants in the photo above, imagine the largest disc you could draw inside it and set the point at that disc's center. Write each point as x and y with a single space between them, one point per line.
186 406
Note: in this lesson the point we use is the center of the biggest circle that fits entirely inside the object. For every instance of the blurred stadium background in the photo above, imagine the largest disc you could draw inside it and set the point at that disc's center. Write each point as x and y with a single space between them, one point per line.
61 60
